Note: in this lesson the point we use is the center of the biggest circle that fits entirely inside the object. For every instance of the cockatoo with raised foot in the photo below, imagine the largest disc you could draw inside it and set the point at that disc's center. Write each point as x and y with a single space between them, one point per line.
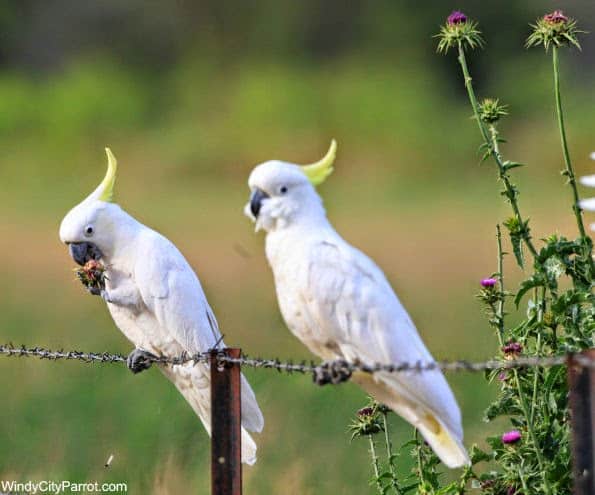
154 297
341 306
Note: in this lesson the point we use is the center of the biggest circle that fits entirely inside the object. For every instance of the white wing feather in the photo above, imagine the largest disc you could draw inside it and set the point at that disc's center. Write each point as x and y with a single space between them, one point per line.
350 300
172 292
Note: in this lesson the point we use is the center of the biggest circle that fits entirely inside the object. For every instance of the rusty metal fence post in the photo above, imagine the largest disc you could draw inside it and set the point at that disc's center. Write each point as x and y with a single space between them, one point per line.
581 384
226 425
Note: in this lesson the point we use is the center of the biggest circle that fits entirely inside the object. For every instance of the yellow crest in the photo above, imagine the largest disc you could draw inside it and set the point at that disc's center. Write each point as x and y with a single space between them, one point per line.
319 171
106 188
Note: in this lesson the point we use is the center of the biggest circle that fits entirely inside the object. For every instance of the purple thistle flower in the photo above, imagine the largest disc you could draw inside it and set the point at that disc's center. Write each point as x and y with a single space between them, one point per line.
456 17
365 412
502 376
556 17
488 283
511 437
512 348
459 31
554 29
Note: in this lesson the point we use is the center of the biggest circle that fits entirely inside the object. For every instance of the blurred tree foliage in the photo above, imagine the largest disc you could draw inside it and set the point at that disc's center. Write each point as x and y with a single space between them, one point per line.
202 74
44 35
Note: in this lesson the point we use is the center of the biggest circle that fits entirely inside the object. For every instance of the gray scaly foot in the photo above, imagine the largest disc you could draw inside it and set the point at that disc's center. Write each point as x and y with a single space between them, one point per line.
139 360
334 372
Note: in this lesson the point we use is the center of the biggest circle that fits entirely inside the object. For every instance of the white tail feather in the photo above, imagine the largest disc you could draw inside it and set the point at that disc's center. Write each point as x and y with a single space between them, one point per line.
252 418
248 448
193 382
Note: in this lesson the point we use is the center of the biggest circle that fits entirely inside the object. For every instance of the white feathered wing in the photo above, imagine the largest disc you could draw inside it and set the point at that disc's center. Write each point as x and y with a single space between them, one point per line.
349 302
173 294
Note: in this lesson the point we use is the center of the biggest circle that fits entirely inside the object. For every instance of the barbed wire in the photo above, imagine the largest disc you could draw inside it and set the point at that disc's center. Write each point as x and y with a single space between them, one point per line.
40 352
326 372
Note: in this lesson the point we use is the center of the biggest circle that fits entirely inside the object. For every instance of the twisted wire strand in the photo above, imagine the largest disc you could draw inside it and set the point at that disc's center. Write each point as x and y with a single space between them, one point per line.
305 367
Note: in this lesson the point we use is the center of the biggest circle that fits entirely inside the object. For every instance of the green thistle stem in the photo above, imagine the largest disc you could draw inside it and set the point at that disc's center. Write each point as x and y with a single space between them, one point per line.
535 378
500 310
540 312
375 464
510 190
523 481
538 454
389 454
569 170
471 93
492 143
420 467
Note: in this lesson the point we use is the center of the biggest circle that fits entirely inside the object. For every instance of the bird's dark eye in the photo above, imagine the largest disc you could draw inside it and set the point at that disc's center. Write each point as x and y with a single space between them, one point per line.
89 230
283 189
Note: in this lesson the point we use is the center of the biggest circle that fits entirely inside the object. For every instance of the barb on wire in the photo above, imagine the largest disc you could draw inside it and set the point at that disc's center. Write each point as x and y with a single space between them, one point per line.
327 372
41 353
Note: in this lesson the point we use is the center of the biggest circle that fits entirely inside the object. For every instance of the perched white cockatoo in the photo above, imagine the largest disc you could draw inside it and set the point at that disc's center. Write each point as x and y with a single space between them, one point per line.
589 203
340 305
154 297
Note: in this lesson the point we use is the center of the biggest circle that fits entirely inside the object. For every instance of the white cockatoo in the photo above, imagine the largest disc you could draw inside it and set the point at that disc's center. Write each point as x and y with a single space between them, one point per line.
340 305
154 297
589 181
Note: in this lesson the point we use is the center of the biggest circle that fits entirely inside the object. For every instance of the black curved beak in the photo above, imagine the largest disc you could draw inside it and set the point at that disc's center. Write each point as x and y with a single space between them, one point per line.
81 252
258 196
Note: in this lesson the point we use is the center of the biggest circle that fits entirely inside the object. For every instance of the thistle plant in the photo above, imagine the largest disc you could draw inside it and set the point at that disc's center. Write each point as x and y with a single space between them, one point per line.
532 456
459 32
370 421
487 115
557 30
425 476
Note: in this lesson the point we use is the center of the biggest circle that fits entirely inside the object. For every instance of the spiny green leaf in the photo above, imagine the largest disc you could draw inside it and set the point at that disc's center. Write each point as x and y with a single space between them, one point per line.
507 165
531 283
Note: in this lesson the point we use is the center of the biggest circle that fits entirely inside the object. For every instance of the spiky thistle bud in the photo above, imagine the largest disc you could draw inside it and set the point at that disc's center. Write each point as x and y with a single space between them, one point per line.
490 110
367 421
512 350
554 28
488 293
459 30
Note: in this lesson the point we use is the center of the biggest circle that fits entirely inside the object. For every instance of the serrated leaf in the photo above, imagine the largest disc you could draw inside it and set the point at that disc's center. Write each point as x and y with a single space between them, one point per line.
485 156
517 249
527 285
412 486
478 455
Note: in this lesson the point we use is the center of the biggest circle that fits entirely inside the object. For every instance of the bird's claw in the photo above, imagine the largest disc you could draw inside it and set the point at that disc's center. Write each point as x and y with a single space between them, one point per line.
95 291
139 360
334 372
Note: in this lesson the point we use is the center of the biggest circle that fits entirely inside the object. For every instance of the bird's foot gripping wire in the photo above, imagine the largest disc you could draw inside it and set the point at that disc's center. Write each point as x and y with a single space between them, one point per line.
139 360
334 372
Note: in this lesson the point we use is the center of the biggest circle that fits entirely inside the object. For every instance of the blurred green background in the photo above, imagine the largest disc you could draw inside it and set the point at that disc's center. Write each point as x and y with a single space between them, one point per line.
190 95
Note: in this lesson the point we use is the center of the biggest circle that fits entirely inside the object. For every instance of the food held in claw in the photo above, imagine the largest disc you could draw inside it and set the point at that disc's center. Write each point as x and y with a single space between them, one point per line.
92 275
